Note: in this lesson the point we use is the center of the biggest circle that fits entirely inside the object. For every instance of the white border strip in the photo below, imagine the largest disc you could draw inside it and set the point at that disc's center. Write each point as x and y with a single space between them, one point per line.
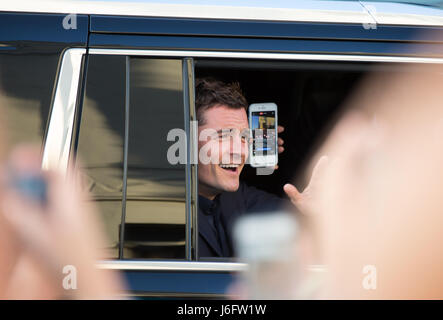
267 56
172 266
185 266
58 137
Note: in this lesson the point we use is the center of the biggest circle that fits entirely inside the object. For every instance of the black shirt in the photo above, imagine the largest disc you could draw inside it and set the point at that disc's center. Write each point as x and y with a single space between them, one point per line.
217 217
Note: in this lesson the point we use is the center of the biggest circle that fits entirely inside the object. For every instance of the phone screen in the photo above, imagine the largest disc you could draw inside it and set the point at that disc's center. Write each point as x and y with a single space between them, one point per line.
263 133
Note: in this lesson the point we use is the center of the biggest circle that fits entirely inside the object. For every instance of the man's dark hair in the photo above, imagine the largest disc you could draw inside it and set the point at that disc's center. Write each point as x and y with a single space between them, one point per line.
210 92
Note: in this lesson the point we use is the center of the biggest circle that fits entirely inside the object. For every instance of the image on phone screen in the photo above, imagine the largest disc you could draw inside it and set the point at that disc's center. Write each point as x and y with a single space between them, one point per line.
263 133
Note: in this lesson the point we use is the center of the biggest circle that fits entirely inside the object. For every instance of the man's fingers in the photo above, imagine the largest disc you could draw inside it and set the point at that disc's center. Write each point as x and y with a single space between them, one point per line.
293 194
280 141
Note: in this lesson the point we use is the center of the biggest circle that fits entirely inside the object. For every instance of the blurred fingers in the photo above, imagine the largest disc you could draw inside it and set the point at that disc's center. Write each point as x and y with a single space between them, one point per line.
293 194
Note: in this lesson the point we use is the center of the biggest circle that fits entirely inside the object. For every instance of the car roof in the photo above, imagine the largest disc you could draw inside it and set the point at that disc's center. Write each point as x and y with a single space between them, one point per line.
277 10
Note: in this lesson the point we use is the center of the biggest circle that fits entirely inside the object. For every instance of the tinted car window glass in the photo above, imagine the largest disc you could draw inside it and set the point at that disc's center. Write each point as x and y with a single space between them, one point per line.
26 84
156 193
101 138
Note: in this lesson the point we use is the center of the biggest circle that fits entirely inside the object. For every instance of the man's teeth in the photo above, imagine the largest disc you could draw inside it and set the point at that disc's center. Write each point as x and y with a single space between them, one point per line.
229 166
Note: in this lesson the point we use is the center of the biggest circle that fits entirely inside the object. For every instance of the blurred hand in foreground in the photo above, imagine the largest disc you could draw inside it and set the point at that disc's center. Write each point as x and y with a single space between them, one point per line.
379 204
49 250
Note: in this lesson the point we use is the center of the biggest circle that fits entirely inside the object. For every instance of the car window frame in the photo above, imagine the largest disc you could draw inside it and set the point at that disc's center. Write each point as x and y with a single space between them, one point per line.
55 152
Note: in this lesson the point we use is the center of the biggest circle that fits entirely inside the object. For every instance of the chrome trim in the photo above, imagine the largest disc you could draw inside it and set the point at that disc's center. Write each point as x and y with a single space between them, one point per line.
125 159
61 121
173 295
172 266
130 243
265 55
188 218
191 162
186 266
193 157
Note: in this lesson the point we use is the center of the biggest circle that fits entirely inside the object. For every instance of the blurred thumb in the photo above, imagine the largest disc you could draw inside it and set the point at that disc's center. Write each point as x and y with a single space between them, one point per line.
293 194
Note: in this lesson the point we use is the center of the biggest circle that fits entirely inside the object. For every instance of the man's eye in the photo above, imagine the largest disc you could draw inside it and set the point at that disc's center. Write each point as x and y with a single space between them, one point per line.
246 137
224 136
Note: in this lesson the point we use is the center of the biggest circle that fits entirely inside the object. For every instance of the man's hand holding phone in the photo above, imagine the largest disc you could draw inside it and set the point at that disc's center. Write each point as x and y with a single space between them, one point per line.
263 151
280 142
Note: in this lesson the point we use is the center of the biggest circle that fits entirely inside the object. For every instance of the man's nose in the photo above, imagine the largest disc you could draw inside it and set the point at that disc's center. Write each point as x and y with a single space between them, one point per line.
238 149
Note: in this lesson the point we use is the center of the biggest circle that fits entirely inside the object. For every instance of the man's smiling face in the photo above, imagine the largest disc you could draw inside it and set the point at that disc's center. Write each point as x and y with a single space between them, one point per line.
225 146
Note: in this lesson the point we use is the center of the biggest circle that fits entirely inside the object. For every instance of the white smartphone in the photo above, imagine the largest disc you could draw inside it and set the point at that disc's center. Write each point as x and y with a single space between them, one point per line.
263 150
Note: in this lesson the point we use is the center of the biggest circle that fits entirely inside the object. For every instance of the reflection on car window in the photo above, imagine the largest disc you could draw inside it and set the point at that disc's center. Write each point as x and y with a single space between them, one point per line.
155 192
25 95
100 146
